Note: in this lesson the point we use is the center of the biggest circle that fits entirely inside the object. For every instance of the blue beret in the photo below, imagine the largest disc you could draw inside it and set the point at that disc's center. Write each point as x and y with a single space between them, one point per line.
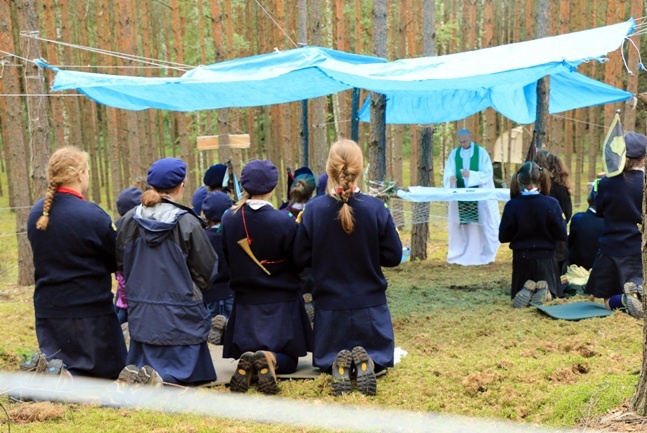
303 170
198 197
215 204
636 145
166 173
214 176
259 177
128 199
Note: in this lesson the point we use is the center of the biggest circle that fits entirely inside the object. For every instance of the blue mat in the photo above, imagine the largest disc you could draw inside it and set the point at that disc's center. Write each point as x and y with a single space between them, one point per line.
575 310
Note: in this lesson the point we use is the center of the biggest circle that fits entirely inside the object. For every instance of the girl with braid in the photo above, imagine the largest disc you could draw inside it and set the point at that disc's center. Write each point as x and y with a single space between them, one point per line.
73 244
347 237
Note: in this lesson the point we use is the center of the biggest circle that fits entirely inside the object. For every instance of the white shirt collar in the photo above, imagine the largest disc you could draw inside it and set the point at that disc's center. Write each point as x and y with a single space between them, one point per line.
257 204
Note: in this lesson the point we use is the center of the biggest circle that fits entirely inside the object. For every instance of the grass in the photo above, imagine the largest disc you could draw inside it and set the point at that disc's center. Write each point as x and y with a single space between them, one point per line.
469 353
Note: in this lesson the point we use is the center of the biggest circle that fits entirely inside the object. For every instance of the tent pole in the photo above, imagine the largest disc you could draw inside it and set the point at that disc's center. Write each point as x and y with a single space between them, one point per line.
354 117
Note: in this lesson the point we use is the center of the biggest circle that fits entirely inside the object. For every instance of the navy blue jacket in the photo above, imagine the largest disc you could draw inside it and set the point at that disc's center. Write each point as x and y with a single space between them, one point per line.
619 202
583 238
219 290
73 259
167 260
347 268
532 223
272 233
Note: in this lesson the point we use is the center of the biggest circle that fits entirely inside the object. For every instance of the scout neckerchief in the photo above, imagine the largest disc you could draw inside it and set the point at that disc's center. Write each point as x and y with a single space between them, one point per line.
467 210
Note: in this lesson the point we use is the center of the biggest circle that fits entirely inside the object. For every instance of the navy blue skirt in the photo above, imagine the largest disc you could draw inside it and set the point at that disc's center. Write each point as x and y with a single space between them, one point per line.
183 365
280 327
524 269
90 346
336 330
609 275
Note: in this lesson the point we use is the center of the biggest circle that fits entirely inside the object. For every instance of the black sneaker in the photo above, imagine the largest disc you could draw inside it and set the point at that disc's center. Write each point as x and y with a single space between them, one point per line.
366 383
631 288
341 373
242 377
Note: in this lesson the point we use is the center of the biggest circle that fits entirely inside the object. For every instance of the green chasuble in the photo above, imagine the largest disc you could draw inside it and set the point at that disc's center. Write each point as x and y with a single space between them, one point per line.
468 211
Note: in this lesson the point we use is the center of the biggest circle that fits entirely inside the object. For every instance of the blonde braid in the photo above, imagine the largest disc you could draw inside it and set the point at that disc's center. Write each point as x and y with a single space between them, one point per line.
42 222
345 162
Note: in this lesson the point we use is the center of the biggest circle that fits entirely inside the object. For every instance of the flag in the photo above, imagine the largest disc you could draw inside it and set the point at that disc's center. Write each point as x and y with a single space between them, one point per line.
615 149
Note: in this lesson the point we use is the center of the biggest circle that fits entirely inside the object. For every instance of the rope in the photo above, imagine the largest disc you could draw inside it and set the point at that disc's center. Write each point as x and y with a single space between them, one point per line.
277 24
145 60
41 94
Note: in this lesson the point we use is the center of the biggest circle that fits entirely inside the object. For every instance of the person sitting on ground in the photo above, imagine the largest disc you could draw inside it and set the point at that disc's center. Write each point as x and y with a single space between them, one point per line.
617 273
347 237
268 329
532 222
167 261
73 244
219 298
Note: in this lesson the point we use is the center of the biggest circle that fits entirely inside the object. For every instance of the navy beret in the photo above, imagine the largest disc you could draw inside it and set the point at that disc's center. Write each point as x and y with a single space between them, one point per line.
128 199
198 197
215 204
636 145
166 173
303 170
214 176
323 183
259 177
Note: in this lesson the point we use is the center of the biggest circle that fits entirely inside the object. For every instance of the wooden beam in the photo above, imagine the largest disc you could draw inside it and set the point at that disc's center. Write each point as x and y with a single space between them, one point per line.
233 141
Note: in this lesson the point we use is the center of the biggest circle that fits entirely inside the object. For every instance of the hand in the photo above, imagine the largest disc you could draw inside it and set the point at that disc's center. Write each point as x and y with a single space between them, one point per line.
465 173
452 181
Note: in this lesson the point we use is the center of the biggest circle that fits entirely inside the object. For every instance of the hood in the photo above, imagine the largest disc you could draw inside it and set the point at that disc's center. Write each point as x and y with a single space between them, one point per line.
156 222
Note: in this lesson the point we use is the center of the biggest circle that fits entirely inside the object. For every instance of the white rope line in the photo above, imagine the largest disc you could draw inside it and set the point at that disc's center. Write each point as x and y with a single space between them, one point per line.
216 403
145 60
578 121
16 56
51 95
277 24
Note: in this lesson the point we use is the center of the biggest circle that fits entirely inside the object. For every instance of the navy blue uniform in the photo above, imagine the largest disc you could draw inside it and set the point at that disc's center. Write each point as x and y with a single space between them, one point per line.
219 290
73 260
619 202
268 310
167 261
350 288
533 224
583 238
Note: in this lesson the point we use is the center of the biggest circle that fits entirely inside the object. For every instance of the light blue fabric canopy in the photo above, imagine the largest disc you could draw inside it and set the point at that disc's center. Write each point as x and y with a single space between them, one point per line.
420 90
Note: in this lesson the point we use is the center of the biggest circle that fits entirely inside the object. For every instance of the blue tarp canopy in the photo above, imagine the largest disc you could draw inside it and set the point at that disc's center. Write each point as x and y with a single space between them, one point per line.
421 90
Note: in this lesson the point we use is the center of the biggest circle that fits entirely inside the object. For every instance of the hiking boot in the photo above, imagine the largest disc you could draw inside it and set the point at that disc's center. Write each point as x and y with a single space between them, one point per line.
631 288
129 375
265 365
149 377
56 367
35 364
542 294
341 373
310 307
633 305
218 324
242 377
366 383
523 296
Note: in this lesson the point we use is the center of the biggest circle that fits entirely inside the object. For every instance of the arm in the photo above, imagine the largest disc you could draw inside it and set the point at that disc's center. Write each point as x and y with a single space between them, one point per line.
449 172
390 244
557 223
302 249
202 260
507 227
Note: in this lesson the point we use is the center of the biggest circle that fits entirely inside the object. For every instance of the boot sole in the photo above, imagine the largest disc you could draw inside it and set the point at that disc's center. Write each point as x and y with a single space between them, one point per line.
267 383
243 375
366 383
341 373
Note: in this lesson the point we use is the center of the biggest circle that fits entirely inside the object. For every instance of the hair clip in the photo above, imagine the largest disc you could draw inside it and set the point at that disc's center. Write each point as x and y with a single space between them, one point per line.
45 213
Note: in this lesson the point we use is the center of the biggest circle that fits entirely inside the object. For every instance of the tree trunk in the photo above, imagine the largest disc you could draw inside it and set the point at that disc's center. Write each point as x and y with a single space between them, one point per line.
629 122
377 143
543 85
318 143
12 126
37 114
420 231
639 400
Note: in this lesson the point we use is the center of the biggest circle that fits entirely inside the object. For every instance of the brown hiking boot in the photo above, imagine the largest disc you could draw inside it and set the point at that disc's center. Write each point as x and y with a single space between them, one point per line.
265 365
366 383
523 296
149 377
341 373
218 324
36 363
542 294
242 377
